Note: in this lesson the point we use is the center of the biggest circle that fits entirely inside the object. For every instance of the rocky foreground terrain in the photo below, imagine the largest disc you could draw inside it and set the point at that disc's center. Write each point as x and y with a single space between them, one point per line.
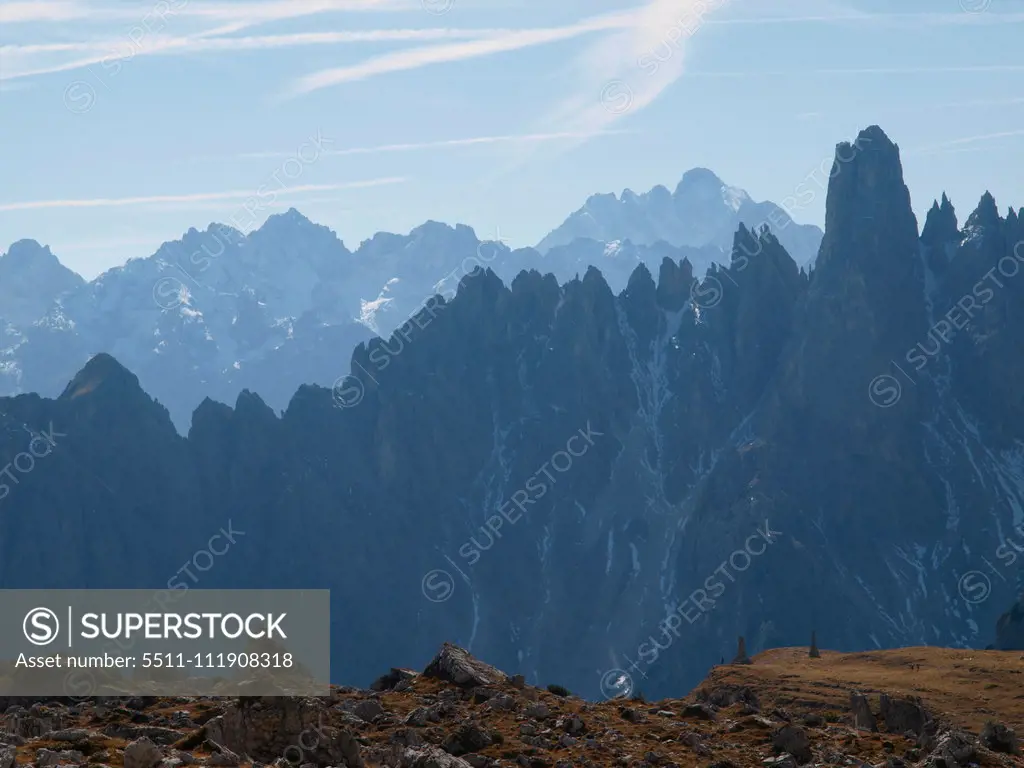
933 707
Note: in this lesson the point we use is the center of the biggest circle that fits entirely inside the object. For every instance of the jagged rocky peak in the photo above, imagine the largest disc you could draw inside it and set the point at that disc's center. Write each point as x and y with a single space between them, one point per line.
869 221
24 253
1015 230
659 194
985 216
431 228
760 251
746 241
28 256
941 224
282 229
102 373
641 282
111 396
31 277
530 281
704 185
699 179
640 302
436 234
601 202
211 418
702 213
675 283
250 405
864 304
228 234
594 282
287 221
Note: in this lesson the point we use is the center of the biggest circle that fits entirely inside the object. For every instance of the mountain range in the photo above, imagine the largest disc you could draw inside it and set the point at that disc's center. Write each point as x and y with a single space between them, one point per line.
599 487
218 311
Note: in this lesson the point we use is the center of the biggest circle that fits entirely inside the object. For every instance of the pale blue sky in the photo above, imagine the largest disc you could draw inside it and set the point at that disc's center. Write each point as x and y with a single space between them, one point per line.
483 112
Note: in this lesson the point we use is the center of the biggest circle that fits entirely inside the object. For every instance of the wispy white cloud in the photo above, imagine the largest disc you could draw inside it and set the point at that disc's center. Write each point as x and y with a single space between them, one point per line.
148 23
415 58
206 43
247 13
199 197
22 60
625 72
621 73
524 138
41 10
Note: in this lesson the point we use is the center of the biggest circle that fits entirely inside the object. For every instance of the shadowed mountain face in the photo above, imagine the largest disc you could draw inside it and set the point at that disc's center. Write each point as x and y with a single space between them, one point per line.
599 489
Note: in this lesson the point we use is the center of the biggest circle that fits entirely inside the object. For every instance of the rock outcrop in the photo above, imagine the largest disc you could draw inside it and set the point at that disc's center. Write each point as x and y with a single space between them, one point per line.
455 665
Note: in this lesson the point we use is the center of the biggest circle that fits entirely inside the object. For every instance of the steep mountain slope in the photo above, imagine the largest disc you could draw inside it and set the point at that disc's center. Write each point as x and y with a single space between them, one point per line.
702 212
596 488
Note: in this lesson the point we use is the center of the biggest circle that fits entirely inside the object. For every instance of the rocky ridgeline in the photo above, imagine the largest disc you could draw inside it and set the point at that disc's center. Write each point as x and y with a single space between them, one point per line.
869 411
462 713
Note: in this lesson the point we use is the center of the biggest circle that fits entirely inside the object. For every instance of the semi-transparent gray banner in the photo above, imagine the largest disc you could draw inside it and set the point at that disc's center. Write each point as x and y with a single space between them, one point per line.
195 642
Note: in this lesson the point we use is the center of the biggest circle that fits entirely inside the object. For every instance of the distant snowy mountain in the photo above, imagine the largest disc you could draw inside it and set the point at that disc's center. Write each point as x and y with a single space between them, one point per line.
31 278
218 312
702 212
206 316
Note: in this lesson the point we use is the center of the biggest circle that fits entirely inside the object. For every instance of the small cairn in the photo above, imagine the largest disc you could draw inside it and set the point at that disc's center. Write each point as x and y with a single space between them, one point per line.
741 653
814 653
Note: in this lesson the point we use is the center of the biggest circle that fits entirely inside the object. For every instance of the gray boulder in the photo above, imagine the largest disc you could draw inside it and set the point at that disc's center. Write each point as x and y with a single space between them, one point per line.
999 738
792 739
902 715
142 753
